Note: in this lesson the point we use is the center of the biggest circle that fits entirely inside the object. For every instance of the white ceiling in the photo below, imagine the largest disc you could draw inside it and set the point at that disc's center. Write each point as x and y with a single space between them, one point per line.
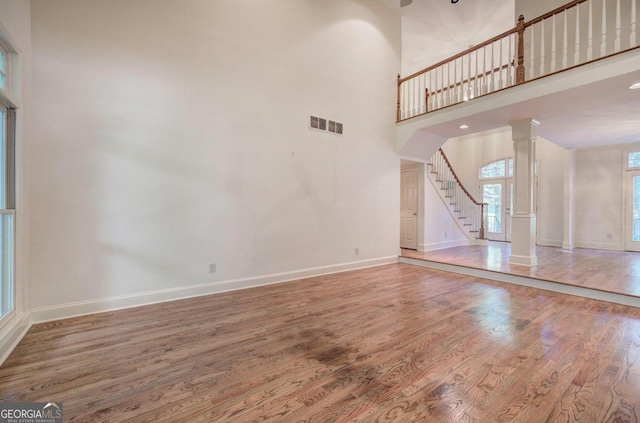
603 113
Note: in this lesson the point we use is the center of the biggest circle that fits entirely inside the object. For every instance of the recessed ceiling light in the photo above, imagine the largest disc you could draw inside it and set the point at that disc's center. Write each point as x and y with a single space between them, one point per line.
635 86
464 126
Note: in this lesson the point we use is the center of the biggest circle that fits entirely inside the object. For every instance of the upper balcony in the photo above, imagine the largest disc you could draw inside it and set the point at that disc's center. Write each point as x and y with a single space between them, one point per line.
570 69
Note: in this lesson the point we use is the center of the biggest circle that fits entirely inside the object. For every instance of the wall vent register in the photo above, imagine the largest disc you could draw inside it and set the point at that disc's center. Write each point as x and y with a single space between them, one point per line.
322 124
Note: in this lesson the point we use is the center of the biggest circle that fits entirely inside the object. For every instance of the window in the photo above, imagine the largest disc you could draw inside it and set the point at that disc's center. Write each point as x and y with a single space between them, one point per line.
3 68
633 159
7 180
498 169
7 210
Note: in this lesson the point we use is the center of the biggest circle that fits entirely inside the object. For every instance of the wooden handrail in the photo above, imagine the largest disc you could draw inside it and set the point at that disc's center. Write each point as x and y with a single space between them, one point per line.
554 12
459 55
492 40
519 59
455 176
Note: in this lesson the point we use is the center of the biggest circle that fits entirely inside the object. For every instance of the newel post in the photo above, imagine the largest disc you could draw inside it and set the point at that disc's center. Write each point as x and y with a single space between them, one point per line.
398 102
520 68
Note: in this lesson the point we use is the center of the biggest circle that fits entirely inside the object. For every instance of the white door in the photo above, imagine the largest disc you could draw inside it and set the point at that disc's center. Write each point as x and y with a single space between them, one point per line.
409 209
497 194
632 211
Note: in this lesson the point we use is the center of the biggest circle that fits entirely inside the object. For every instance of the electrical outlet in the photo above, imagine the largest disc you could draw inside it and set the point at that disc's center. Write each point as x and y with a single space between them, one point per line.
212 268
357 251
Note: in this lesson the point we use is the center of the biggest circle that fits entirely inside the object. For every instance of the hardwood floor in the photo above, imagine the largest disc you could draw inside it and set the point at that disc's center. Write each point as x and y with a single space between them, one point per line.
394 343
610 271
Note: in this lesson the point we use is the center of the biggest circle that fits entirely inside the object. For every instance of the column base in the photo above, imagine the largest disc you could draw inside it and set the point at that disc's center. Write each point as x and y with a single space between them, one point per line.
523 260
523 240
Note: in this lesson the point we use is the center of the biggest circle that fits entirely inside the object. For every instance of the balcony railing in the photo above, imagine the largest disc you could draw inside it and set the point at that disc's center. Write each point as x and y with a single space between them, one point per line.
577 33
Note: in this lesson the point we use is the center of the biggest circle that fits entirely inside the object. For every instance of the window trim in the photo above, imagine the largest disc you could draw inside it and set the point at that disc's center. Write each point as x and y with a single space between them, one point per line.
4 67
627 152
10 92
8 96
506 169
9 262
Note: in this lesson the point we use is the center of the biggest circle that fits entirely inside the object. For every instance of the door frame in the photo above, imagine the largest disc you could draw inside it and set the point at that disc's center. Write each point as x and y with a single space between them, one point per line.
508 186
507 203
421 168
410 169
629 243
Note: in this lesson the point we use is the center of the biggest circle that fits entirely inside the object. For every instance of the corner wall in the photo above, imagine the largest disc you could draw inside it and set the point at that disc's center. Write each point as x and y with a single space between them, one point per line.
175 136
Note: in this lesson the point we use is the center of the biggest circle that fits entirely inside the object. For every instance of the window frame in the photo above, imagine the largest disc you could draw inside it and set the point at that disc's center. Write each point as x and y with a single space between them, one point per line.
9 69
7 208
627 153
508 170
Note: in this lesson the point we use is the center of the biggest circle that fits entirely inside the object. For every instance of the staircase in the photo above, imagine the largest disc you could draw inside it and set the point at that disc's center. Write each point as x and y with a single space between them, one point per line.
466 210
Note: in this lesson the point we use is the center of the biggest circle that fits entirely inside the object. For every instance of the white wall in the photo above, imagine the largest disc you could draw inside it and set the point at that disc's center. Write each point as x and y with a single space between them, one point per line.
15 20
171 135
552 160
599 198
440 228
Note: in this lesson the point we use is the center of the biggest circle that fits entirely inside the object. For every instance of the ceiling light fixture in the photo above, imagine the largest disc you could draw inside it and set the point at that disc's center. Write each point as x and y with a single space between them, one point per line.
464 126
635 86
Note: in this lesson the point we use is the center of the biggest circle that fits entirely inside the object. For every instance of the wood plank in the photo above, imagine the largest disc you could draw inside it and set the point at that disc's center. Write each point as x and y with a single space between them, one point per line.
392 343
608 271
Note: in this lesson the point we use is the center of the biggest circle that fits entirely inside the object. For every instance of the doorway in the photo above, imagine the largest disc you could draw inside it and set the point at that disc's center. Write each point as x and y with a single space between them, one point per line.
496 190
632 211
498 195
409 208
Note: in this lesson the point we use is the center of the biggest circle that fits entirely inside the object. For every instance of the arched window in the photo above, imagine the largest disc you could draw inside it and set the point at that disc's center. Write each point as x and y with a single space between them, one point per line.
502 168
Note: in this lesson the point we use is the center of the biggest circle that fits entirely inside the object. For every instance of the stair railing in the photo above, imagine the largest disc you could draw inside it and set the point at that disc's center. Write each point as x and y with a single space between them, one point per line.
571 35
467 208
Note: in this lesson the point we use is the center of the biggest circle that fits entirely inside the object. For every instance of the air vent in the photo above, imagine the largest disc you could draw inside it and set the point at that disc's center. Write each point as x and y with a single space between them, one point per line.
335 127
323 124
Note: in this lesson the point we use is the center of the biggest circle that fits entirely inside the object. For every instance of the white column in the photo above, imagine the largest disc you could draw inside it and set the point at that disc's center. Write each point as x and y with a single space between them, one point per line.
523 219
569 209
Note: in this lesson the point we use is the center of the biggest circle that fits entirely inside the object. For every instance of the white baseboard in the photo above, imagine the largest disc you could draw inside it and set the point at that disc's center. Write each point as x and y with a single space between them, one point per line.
442 245
568 246
549 243
599 246
523 260
12 333
64 311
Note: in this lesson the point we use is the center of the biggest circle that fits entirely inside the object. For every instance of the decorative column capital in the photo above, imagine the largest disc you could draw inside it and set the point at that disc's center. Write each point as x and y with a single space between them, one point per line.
524 129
